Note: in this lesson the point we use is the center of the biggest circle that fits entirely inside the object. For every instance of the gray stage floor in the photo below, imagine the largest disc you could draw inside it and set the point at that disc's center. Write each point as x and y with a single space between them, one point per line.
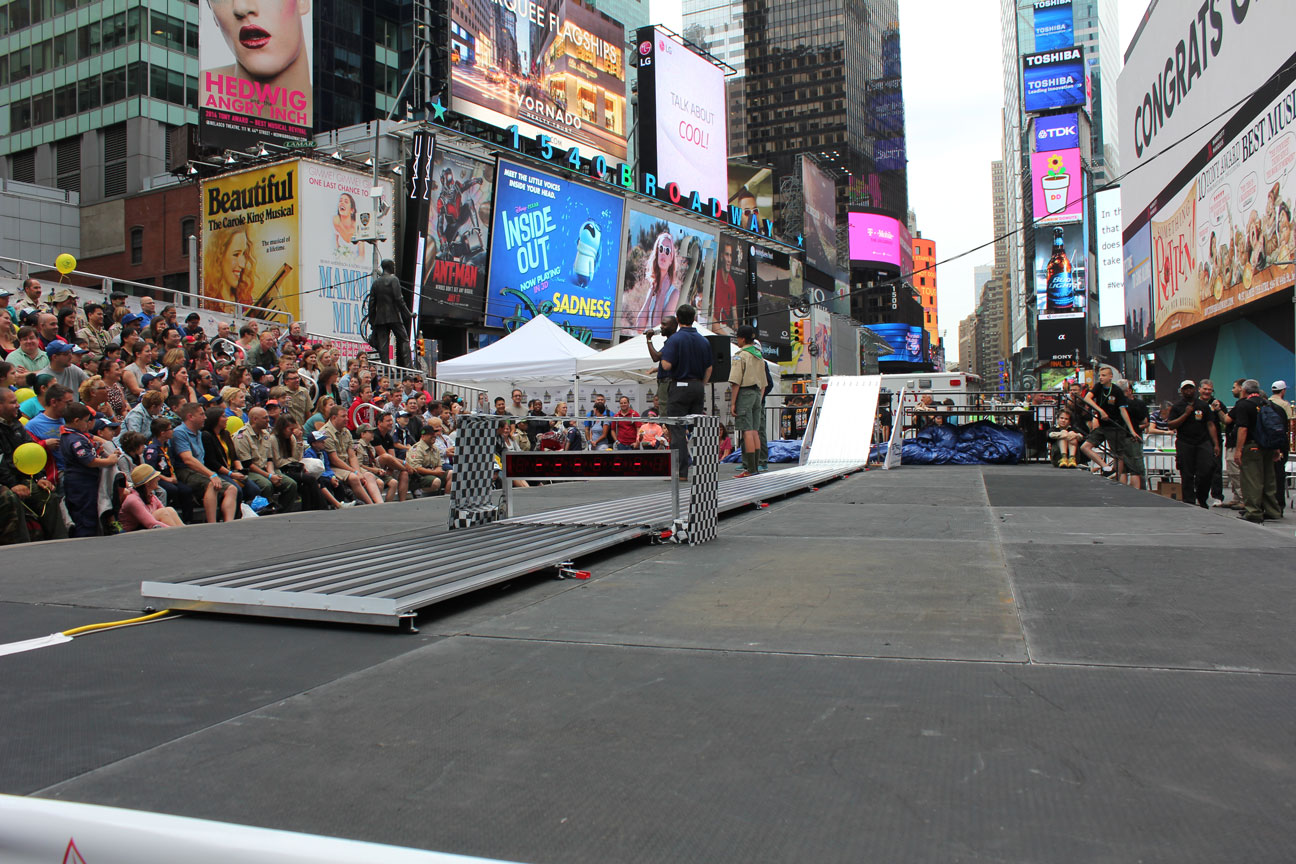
931 664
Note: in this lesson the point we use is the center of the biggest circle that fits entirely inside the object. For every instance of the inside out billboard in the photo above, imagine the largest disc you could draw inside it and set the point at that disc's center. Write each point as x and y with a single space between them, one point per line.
554 67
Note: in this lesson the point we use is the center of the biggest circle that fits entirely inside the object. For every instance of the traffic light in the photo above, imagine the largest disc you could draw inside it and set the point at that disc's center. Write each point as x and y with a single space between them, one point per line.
419 345
798 333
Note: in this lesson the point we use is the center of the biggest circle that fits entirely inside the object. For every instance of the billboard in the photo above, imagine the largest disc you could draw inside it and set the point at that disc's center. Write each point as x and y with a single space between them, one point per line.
1058 187
812 343
1111 272
249 238
1174 266
254 75
769 292
877 239
1057 132
906 341
751 189
555 252
456 237
1179 72
1061 340
337 268
668 262
1061 280
554 67
1053 79
820 225
1137 261
729 299
684 136
1054 25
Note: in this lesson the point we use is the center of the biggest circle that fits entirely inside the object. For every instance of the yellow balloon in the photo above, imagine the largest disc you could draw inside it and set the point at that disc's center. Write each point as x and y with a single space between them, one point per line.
29 458
22 420
233 424
65 263
23 394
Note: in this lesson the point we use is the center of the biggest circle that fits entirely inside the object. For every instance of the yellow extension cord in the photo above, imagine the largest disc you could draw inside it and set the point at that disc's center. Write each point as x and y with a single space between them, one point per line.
108 625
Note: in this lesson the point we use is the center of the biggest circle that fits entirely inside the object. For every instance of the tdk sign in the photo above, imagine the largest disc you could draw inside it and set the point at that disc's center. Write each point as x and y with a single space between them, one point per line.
1057 132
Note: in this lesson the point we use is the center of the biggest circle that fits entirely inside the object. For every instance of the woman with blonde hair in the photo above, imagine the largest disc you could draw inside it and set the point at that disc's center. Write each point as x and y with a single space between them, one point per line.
235 400
660 270
229 267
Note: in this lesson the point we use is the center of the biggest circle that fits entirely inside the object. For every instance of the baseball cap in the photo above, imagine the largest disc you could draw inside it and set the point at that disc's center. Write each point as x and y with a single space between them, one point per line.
118 294
272 403
132 318
58 346
5 292
149 378
102 422
1187 382
427 430
193 316
363 427
207 398
1278 385
77 349
316 437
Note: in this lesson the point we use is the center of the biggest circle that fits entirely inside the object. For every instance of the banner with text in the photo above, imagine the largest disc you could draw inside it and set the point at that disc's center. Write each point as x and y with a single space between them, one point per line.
254 78
457 237
555 252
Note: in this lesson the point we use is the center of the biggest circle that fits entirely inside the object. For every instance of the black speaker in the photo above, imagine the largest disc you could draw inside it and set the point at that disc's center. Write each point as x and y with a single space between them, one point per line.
719 358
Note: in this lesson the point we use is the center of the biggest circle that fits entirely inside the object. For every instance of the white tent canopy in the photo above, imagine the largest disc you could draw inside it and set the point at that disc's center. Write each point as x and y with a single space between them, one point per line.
631 357
538 350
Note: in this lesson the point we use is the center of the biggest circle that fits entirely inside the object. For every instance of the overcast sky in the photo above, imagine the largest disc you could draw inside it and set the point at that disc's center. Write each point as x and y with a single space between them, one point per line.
953 90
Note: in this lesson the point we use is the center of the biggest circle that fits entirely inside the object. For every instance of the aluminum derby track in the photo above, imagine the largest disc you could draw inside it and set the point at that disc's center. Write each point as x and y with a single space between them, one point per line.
387 582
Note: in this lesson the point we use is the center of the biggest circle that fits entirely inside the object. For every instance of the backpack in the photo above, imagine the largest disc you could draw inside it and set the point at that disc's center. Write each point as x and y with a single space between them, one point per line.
1270 427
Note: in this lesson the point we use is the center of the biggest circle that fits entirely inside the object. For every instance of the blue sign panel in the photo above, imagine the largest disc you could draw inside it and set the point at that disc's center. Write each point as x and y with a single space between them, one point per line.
906 342
1053 25
1057 132
1053 79
555 251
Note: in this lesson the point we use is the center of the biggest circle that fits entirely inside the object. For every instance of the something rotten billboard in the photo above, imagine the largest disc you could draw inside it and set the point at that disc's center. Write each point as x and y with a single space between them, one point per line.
553 67
555 252
684 133
255 74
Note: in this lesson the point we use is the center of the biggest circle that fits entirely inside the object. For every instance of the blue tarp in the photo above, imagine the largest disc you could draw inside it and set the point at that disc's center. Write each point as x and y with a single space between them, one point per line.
980 443
779 451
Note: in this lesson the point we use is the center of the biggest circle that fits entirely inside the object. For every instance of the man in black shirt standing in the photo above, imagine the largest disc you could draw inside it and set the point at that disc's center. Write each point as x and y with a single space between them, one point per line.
1196 443
1132 456
686 358
1259 465
1107 402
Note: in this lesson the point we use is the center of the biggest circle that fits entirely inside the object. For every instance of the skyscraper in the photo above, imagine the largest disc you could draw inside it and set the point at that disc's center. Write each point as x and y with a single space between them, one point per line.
1093 26
823 77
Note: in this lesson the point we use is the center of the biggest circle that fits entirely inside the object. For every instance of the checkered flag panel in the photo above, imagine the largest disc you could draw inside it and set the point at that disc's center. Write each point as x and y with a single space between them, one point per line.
704 444
472 497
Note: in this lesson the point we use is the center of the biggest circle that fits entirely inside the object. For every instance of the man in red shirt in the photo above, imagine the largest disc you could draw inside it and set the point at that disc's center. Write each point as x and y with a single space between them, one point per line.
627 434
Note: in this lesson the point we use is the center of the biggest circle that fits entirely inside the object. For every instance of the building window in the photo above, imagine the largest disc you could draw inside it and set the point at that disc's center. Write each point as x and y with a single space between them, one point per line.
187 228
22 166
67 164
114 155
137 245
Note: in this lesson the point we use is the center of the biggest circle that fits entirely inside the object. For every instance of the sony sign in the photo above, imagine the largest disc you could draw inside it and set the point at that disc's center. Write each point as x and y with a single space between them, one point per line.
1057 132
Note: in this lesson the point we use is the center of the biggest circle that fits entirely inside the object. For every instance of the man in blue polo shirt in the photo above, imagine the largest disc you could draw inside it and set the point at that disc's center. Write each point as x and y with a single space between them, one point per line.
686 358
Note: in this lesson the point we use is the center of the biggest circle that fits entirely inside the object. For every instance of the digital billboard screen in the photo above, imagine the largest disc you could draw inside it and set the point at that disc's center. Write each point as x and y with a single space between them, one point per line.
1054 25
1061 262
1111 272
819 228
877 239
555 67
1058 187
254 85
906 343
1053 79
769 291
554 252
456 236
684 131
1057 132
1061 340
729 300
1140 327
668 262
751 190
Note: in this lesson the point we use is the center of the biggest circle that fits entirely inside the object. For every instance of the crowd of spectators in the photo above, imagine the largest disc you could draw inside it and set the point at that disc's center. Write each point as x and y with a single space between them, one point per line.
1235 454
147 421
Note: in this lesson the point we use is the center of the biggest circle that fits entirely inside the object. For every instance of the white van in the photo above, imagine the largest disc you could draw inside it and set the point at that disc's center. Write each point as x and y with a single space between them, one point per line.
958 386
